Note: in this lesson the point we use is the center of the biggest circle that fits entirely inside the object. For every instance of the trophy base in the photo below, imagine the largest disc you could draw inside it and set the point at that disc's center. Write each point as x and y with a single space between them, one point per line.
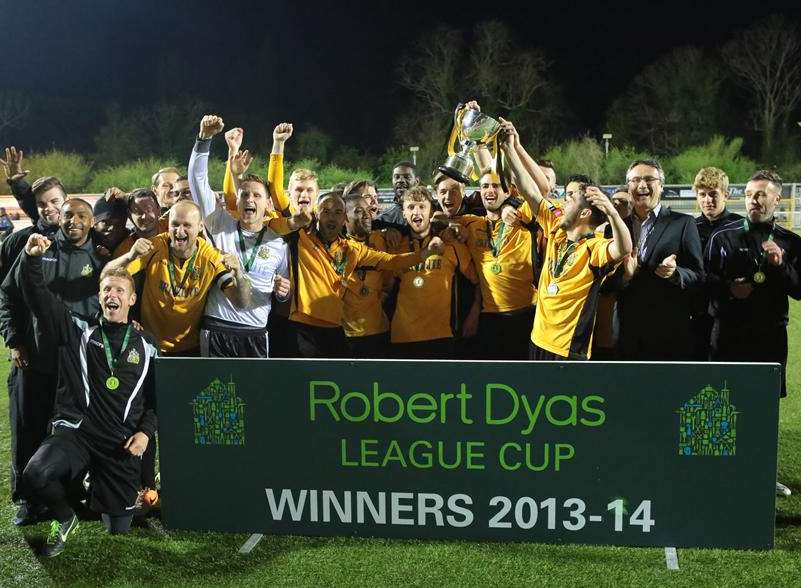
457 167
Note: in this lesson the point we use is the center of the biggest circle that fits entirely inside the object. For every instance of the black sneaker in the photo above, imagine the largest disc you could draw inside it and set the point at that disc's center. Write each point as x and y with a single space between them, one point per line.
59 531
28 514
24 515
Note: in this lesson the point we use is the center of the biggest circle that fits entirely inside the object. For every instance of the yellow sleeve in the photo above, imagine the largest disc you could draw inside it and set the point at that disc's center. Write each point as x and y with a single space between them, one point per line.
275 182
383 261
599 252
548 215
279 225
464 262
140 263
228 189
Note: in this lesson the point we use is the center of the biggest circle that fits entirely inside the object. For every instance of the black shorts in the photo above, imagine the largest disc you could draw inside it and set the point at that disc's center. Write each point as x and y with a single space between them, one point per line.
221 342
114 472
369 346
505 335
433 349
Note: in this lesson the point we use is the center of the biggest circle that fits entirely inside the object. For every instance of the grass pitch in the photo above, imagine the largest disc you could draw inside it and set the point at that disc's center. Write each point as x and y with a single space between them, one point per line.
150 556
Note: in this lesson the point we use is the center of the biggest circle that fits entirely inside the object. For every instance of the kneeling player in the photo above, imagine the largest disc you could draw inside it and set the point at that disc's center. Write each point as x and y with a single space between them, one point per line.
104 413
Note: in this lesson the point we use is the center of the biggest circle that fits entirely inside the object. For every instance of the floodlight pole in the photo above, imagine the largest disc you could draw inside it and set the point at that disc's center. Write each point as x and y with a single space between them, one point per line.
606 137
414 149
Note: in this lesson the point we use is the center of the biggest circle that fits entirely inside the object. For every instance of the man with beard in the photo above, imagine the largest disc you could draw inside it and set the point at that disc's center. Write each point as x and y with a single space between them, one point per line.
711 187
48 196
143 210
404 176
504 261
71 270
363 317
423 323
279 204
180 270
230 331
163 181
322 263
664 266
104 411
754 266
576 263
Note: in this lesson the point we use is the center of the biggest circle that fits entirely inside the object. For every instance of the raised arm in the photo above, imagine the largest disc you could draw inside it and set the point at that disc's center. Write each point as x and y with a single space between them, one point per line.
525 183
15 177
621 244
275 169
198 171
51 312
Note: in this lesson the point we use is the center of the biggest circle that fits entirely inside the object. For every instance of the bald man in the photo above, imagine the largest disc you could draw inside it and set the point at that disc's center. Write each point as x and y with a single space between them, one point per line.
180 270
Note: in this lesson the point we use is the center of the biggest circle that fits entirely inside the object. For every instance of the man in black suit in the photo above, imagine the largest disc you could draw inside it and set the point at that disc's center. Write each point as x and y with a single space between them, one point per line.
665 265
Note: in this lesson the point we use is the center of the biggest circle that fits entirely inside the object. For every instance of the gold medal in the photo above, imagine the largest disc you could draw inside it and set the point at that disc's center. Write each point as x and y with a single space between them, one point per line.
112 382
553 289
759 278
418 282
365 291
495 268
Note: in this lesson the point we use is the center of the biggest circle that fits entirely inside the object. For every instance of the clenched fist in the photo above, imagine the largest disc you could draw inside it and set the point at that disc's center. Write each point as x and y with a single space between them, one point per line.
210 125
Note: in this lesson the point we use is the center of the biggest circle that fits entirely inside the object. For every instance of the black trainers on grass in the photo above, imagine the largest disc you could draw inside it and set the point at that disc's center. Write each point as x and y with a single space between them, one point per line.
59 531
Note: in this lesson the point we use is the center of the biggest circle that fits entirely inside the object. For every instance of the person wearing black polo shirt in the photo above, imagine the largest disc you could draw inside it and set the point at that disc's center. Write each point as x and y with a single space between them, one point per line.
104 413
754 266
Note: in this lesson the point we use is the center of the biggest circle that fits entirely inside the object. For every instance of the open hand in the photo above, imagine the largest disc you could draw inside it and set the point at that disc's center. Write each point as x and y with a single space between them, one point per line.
240 162
12 164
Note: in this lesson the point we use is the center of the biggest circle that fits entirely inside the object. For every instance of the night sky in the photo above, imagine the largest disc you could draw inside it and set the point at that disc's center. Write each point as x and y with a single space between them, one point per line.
331 66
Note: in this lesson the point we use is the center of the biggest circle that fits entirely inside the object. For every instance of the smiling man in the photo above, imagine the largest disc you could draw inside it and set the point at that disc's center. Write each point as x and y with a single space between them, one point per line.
754 267
180 271
322 263
228 330
104 413
70 271
665 265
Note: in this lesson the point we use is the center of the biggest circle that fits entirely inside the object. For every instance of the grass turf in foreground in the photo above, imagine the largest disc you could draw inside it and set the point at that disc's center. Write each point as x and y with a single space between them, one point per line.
149 556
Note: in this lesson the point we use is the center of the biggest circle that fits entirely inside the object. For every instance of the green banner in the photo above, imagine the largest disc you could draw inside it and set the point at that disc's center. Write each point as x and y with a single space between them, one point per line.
604 453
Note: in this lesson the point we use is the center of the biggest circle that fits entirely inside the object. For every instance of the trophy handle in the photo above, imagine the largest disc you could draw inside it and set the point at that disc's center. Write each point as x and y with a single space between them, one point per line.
458 115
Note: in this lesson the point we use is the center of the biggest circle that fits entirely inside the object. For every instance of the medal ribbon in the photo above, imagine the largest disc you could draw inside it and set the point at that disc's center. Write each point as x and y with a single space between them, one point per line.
110 359
764 255
171 269
563 254
339 266
248 260
496 244
412 241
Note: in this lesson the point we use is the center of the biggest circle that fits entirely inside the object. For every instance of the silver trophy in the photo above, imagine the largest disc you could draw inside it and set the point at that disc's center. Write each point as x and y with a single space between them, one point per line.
471 130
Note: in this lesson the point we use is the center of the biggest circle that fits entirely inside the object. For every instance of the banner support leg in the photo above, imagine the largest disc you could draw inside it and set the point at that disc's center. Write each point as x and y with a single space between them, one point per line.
252 542
671 558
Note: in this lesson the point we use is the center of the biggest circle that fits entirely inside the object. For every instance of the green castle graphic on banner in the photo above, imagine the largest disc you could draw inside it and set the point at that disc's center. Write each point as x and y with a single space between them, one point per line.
219 415
708 424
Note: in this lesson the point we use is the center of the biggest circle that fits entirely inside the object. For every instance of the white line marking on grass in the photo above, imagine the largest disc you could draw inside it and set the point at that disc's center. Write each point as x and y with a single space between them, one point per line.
252 542
671 558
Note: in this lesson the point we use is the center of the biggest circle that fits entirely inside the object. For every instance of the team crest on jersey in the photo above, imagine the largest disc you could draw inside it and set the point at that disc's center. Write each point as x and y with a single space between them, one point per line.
133 357
86 270
264 252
